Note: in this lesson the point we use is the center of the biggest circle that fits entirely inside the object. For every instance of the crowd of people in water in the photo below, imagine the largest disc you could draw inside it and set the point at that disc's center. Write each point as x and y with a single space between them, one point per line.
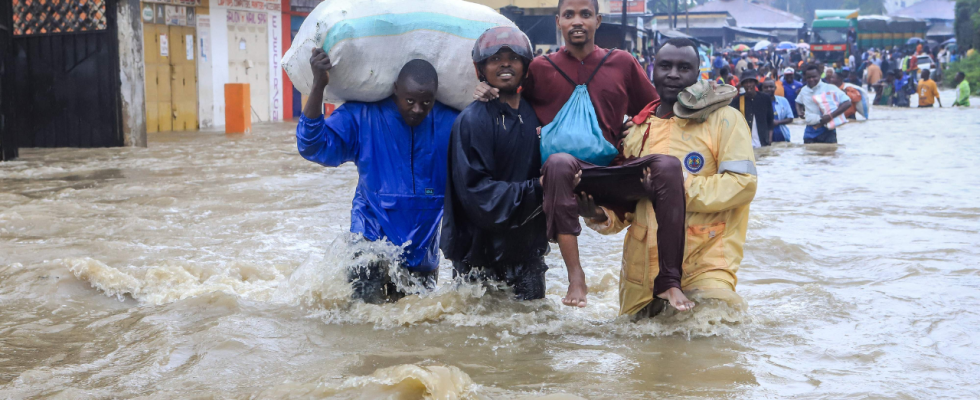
479 185
875 77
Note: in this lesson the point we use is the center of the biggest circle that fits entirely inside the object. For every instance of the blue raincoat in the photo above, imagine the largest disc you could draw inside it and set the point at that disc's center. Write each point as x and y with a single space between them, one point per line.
401 171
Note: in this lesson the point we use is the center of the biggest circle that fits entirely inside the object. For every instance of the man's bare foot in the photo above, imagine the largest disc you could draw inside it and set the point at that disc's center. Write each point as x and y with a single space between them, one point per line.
677 299
575 297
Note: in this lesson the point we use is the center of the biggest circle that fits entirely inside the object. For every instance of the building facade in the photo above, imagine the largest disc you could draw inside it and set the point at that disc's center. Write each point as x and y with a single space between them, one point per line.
192 48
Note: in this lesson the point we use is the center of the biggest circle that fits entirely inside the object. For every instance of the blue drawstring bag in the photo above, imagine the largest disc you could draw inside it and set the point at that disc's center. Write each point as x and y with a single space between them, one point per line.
575 130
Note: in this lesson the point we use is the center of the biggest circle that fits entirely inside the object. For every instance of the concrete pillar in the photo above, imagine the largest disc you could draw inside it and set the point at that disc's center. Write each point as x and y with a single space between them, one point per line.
132 91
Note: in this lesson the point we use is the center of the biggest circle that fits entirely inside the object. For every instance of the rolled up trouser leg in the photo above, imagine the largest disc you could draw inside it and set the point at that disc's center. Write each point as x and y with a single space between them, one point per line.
560 207
666 192
619 187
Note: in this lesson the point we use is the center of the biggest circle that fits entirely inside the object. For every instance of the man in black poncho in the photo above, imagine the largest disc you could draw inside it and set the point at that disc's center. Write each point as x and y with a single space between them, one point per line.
493 228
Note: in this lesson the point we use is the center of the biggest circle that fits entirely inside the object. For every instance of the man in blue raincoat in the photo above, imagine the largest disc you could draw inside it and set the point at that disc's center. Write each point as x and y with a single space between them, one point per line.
399 146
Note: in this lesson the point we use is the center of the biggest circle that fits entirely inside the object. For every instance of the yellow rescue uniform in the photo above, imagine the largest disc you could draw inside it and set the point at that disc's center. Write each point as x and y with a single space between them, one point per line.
721 181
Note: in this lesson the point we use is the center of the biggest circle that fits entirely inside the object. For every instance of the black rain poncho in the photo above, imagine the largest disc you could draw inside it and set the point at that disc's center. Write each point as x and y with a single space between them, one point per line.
493 196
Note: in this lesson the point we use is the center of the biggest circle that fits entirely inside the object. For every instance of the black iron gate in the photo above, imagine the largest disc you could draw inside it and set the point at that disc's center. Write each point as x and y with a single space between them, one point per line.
63 74
8 148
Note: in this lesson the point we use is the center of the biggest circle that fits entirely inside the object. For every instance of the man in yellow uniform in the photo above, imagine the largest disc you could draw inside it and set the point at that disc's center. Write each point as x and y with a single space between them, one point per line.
714 145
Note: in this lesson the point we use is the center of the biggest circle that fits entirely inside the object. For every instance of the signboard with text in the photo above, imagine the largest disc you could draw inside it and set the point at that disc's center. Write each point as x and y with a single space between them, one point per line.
258 5
191 3
632 6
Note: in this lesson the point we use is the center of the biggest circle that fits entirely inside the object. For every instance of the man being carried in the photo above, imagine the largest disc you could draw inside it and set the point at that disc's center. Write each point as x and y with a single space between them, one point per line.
617 88
716 153
399 146
928 92
962 90
493 228
816 115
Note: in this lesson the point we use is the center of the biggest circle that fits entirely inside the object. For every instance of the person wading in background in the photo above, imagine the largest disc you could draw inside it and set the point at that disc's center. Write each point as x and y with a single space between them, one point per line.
816 119
788 87
873 74
619 88
399 146
756 107
928 91
962 90
493 228
782 113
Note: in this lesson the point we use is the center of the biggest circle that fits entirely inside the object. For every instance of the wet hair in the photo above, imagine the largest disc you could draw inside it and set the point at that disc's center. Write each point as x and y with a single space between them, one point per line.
811 66
681 43
421 71
595 5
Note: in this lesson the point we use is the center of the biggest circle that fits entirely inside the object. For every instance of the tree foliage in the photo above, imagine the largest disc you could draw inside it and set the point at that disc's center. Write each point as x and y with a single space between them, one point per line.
969 66
967 24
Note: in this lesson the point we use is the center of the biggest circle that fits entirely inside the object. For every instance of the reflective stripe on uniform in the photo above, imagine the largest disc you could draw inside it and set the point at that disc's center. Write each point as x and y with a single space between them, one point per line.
739 167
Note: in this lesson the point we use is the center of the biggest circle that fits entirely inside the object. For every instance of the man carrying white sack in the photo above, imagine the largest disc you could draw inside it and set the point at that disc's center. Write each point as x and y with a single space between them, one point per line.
399 146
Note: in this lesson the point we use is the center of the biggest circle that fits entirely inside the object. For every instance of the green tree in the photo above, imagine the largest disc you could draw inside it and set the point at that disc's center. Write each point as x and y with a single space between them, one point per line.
967 24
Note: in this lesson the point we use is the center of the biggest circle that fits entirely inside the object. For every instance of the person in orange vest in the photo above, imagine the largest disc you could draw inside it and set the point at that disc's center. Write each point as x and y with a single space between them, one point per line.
928 92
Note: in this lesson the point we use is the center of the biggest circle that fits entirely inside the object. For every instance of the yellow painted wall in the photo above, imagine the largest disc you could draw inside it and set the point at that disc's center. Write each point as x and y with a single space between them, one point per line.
171 80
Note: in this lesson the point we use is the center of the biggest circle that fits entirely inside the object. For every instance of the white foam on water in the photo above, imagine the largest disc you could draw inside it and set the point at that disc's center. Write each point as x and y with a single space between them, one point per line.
320 285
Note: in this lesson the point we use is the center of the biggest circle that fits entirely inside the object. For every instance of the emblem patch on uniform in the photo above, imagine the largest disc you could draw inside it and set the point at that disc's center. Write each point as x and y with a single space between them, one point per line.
694 162
430 191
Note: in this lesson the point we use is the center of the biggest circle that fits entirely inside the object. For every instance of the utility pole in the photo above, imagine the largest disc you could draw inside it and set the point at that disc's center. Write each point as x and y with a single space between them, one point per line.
624 25
687 17
674 26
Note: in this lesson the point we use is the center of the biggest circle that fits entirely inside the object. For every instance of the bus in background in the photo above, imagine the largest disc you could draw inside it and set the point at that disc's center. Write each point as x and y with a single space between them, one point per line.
833 35
881 32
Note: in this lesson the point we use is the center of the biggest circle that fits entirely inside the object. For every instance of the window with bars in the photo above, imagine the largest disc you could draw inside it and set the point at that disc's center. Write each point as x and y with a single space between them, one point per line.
39 17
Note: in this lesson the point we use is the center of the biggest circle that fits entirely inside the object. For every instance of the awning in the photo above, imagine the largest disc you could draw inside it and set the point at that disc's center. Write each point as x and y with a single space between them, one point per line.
671 33
940 30
748 31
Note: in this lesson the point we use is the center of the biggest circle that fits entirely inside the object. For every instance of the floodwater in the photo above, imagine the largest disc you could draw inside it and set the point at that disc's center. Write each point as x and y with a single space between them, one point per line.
208 266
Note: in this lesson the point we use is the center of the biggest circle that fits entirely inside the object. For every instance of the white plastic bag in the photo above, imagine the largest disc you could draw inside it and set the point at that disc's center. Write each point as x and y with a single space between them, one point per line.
369 41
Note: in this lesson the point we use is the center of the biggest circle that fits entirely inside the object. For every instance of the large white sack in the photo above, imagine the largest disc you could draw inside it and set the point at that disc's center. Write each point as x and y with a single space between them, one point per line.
370 40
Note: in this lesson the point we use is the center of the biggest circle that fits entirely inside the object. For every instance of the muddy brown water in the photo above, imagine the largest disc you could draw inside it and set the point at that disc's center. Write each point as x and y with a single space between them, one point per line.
207 266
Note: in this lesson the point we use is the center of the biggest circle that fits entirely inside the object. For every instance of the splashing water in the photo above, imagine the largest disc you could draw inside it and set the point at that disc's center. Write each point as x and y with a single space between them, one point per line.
207 266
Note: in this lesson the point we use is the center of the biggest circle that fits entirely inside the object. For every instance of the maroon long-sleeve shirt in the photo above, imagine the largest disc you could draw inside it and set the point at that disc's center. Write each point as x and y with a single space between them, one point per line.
620 88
